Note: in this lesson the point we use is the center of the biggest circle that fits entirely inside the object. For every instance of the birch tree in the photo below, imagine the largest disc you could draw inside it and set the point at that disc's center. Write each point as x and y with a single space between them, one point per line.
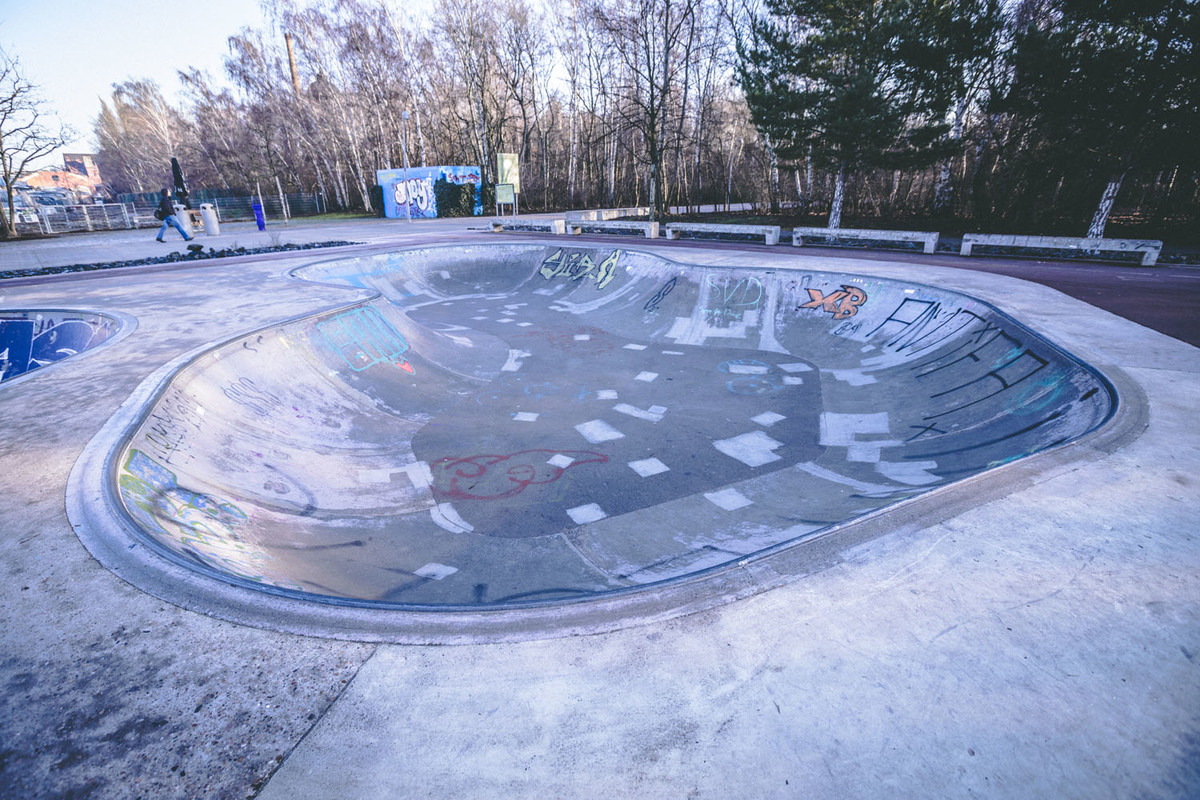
138 132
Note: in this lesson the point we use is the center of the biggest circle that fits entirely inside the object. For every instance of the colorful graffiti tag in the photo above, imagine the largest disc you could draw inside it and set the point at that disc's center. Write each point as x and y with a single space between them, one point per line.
199 526
363 338
493 477
842 304
580 265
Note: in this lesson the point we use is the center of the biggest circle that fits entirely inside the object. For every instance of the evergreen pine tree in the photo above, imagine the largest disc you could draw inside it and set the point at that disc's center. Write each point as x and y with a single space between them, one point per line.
853 83
1112 85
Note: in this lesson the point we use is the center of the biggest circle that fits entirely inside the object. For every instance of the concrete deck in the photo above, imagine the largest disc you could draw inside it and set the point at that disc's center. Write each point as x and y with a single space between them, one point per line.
1031 636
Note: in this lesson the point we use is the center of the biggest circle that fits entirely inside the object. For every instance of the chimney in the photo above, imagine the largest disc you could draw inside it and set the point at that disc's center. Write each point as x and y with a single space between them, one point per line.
287 38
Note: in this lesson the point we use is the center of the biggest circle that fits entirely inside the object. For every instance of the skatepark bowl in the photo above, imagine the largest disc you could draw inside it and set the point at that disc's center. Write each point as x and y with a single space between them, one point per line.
32 339
536 430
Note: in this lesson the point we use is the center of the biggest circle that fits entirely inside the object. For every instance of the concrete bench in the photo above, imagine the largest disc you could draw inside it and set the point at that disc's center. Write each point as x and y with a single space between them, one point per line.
927 238
1149 248
768 232
521 224
649 228
598 214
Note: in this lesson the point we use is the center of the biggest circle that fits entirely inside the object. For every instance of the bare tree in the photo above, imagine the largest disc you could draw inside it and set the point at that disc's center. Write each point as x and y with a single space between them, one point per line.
651 38
138 133
25 133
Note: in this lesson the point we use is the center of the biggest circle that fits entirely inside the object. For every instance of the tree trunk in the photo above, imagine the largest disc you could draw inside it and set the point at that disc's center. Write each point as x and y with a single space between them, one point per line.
839 196
420 136
9 227
1096 229
774 184
943 193
808 174
571 157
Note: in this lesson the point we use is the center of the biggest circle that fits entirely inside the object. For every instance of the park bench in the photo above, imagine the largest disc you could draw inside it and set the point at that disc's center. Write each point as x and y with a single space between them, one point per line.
597 214
1149 248
649 228
525 224
768 232
927 238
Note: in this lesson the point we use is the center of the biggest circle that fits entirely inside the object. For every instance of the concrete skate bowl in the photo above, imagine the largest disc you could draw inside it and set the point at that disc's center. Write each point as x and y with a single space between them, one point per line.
527 440
33 339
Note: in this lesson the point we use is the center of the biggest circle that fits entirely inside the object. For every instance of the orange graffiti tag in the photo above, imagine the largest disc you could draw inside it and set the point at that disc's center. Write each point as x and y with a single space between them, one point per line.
842 304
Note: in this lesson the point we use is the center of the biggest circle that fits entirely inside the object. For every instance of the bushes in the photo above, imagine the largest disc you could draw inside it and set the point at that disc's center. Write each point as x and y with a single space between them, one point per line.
454 199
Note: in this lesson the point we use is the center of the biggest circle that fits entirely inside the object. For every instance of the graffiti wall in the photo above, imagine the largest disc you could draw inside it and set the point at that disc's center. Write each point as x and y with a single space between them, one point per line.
33 339
417 190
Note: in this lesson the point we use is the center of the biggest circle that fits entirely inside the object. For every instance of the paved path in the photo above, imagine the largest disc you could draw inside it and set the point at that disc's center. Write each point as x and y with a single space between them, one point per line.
1035 636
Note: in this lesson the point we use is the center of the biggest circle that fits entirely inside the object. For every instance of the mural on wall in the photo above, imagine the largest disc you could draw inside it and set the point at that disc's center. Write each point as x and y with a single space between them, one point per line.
198 526
362 337
417 190
33 339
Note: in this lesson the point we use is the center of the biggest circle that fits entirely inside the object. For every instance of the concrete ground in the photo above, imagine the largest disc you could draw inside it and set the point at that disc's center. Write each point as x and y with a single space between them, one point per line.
1039 640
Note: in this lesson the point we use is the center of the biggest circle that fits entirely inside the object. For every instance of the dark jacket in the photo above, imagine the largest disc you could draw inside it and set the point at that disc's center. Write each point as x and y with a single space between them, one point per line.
166 207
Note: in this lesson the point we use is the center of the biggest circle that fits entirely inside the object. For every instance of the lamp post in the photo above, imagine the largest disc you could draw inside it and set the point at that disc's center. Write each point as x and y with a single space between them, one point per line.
404 146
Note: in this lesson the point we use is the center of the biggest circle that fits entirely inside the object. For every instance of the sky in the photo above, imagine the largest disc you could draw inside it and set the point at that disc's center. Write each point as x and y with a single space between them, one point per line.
75 50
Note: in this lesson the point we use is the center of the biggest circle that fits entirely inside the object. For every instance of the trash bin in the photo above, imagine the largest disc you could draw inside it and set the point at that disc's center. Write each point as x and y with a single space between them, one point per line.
212 225
184 219
258 217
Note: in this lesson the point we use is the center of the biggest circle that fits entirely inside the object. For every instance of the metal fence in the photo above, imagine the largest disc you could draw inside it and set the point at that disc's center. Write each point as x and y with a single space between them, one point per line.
233 209
99 217
299 204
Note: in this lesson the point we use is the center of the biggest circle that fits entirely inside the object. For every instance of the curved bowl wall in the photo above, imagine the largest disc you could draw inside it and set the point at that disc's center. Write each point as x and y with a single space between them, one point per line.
509 426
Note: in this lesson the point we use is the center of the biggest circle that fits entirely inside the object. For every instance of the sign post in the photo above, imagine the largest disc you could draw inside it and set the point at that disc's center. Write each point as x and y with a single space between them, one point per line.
505 194
404 147
508 171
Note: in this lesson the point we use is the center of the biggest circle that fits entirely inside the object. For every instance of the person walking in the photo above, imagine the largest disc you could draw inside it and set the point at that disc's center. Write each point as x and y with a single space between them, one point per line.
166 212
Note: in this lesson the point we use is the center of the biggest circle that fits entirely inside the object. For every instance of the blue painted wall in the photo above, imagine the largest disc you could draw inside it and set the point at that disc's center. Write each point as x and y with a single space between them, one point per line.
418 191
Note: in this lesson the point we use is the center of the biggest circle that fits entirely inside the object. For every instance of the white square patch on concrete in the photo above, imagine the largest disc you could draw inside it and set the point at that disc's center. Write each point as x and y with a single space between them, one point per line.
598 430
525 416
728 499
375 475
748 369
768 418
648 466
582 337
560 461
795 367
646 376
791 380
650 416
752 449
674 353
606 394
635 347
585 514
435 570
